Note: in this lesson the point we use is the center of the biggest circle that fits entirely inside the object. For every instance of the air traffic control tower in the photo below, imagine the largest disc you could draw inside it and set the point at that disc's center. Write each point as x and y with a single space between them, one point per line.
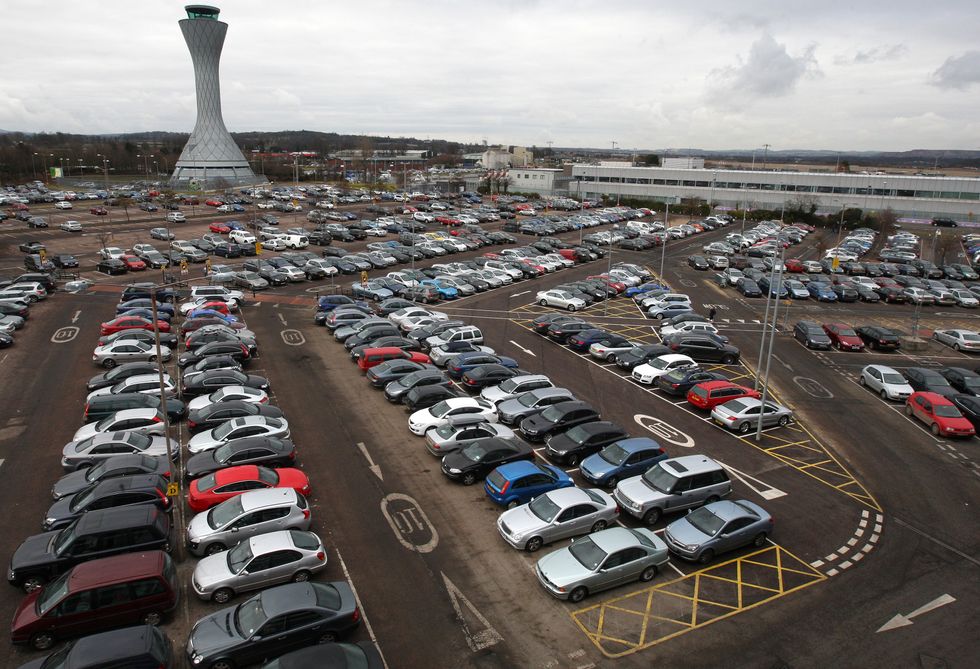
210 158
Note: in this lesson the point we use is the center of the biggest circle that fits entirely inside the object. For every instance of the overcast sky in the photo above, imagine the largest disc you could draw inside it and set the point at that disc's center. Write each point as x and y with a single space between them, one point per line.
885 75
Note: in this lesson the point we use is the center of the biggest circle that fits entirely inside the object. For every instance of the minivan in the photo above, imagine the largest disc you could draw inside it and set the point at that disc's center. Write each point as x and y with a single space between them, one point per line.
98 595
671 485
253 512
97 534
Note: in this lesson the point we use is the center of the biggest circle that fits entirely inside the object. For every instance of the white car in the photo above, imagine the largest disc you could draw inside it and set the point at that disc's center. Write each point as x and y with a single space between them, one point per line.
292 273
664 299
560 299
423 217
965 298
239 428
274 244
229 394
241 237
403 316
323 265
188 307
175 217
688 326
145 421
71 226
62 205
224 208
649 372
886 382
111 252
443 412
965 340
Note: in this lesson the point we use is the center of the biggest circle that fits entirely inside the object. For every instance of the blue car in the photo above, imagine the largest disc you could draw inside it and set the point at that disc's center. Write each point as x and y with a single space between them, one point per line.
519 482
620 460
331 302
445 292
821 292
237 208
771 290
235 225
581 341
123 307
147 314
647 289
464 362
227 318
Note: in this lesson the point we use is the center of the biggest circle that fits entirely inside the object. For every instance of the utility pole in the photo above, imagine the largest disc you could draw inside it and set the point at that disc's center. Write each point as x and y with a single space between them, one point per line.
765 156
778 276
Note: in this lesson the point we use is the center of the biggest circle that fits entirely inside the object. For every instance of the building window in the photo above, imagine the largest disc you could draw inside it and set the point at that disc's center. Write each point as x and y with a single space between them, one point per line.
659 182
905 193
702 184
643 181
842 190
970 196
950 196
603 180
825 189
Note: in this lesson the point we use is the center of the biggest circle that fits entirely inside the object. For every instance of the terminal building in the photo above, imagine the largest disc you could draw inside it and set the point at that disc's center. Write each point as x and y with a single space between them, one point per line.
909 196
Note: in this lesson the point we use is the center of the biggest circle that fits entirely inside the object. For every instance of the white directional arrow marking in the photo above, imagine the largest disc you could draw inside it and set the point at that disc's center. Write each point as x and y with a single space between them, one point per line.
519 294
74 319
484 638
373 467
766 491
522 348
905 621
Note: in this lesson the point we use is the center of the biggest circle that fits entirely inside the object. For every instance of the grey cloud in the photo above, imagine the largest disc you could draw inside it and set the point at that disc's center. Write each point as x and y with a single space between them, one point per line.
769 71
958 71
874 54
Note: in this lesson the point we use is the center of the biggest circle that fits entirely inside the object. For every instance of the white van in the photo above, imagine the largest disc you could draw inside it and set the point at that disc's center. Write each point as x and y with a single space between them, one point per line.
241 237
295 241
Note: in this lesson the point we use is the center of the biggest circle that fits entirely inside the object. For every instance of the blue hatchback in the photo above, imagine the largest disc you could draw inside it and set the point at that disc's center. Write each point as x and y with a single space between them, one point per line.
519 482
464 362
445 292
821 292
621 459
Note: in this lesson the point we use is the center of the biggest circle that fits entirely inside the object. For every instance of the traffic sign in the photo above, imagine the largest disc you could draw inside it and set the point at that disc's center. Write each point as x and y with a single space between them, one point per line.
258 247
835 263
183 266
43 254
173 489
207 265
364 278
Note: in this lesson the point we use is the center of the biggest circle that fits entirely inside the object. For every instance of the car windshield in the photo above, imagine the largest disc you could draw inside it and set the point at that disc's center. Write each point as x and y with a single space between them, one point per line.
659 363
587 553
52 593
239 556
544 508
527 399
946 411
705 521
224 429
250 616
846 332
269 476
552 413
440 409
659 479
509 386
225 512
614 454
894 378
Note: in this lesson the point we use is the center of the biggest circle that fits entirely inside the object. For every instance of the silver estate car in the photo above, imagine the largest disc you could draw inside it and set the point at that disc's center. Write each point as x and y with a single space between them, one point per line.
557 514
251 513
601 561
127 350
258 562
514 386
239 428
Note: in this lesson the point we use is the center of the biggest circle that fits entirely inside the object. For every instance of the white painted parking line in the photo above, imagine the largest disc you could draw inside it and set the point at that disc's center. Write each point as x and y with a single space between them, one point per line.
367 623
671 565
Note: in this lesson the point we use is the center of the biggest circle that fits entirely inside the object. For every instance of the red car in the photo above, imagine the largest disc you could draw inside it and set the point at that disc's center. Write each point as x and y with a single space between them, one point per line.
372 357
447 220
843 337
710 394
618 286
219 227
213 203
217 305
132 263
794 265
213 489
131 323
99 211
190 201
939 413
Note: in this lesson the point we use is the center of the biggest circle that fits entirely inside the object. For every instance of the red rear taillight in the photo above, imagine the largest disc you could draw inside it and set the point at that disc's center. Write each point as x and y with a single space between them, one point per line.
674 347
470 382
675 385
505 487
731 418
306 513
191 424
264 400
292 455
356 615
85 413
157 419
321 556
617 509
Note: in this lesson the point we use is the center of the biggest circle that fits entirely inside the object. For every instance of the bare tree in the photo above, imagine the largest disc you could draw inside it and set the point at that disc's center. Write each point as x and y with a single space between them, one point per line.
886 221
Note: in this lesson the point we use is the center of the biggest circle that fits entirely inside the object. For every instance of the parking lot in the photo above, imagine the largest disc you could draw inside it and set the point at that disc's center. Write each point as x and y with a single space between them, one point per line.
874 515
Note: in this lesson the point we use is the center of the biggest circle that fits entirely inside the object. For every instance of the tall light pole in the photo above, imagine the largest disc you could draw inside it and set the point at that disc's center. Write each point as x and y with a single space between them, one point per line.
778 276
33 166
663 251
711 198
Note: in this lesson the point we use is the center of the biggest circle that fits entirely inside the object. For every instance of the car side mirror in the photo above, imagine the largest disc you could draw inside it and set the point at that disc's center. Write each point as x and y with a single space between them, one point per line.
234 529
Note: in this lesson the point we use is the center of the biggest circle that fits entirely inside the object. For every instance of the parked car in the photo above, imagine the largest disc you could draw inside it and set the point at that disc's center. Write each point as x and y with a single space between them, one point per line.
885 381
718 527
649 372
811 335
261 451
922 379
557 514
211 489
958 340
557 418
964 380
519 482
843 337
472 463
112 493
744 415
580 441
939 413
621 459
252 513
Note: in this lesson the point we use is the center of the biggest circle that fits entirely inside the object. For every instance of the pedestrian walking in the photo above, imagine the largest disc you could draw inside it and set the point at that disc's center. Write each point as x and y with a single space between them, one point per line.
711 314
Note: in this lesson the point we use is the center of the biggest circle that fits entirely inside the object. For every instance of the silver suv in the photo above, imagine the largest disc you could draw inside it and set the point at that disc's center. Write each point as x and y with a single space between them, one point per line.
673 485
251 513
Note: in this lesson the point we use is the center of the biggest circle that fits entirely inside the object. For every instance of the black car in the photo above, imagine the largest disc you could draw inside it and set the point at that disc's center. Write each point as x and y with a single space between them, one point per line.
14 309
964 380
64 261
425 396
969 406
541 323
97 534
397 390
473 462
702 347
210 380
272 622
227 250
111 493
678 381
879 338
138 647
557 418
639 355
698 262
120 372
214 414
577 443
748 287
236 350
265 451
381 375
103 406
111 266
146 291
426 331
371 334
929 380
560 332
125 464
845 292
481 376
811 335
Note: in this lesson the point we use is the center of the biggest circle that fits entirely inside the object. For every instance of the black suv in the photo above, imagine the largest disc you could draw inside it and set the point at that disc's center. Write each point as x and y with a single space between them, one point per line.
557 418
811 335
111 493
878 338
703 348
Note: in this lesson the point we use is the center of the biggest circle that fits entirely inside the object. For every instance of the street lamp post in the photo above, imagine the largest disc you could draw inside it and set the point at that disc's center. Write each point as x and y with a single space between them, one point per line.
663 251
711 198
778 276
33 166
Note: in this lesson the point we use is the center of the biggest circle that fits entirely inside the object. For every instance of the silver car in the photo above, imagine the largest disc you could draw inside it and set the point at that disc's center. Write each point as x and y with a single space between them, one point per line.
886 382
146 420
717 528
459 434
966 340
93 450
557 514
128 350
743 415
441 355
258 562
229 394
516 409
601 561
239 428
514 386
247 515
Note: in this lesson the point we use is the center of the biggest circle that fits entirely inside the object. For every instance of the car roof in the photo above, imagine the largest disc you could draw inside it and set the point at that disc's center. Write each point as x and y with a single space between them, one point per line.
117 518
141 412
115 645
883 369
567 496
690 464
115 569
515 470
633 444
289 597
614 539
271 541
258 499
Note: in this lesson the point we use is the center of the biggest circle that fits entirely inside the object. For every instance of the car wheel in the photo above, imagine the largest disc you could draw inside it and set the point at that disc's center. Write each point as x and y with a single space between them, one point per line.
935 429
222 595
598 526
728 360
611 357
649 573
861 381
578 594
956 347
152 618
533 544
223 664
33 584
543 303
512 503
42 640
108 363
652 516
884 394
659 317
745 427
571 307
783 421
301 576
327 637
908 410
706 556
469 479
612 481
152 358
32 298
215 548
760 540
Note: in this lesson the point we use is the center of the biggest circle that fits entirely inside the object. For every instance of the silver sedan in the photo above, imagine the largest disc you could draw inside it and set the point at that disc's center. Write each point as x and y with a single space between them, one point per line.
258 562
454 436
239 428
743 415
127 350
557 514
966 340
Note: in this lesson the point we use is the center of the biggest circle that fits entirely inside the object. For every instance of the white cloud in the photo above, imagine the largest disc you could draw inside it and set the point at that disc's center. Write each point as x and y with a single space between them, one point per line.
958 71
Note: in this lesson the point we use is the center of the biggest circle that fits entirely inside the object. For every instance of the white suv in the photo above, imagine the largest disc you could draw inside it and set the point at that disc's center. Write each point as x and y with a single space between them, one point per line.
176 217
